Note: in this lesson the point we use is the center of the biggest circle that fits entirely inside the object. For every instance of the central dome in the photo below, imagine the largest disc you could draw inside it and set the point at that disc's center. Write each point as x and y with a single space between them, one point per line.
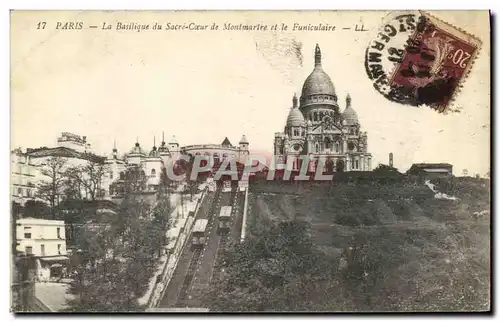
318 82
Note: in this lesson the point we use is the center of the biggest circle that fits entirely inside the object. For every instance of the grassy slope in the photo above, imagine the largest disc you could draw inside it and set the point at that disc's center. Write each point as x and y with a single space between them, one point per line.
425 253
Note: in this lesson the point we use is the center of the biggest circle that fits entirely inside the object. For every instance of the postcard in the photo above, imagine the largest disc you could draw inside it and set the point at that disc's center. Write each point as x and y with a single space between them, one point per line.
250 161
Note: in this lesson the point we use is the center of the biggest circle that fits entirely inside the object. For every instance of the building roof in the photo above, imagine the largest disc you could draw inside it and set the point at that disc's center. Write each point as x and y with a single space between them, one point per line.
137 150
38 221
318 82
243 139
437 170
163 148
173 140
154 152
350 116
64 152
226 142
295 118
432 165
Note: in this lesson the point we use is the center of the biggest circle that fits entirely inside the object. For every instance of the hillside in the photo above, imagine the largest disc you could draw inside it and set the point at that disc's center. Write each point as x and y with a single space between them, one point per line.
407 249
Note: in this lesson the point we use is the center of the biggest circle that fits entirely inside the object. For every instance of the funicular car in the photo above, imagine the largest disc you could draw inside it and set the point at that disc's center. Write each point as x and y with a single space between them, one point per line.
198 236
225 219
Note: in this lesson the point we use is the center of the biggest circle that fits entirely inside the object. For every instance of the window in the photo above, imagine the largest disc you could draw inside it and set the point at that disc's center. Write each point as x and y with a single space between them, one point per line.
58 233
29 250
337 147
153 173
327 143
111 174
59 249
352 163
27 235
357 164
28 193
42 249
317 148
19 191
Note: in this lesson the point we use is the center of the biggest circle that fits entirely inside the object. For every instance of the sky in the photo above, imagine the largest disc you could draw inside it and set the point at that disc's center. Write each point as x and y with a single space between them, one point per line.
202 86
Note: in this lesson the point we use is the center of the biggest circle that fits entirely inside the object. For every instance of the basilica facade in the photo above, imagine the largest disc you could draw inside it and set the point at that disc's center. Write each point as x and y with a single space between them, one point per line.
315 127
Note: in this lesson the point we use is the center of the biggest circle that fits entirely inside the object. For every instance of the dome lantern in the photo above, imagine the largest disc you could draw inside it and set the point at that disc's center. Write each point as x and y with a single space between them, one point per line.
317 56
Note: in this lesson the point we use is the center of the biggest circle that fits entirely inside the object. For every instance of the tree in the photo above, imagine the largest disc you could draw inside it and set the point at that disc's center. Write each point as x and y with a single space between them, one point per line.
16 209
37 209
52 188
118 258
280 270
99 278
384 168
88 176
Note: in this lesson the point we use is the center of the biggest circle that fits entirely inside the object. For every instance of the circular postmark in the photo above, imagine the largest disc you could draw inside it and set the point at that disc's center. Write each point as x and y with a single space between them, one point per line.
416 59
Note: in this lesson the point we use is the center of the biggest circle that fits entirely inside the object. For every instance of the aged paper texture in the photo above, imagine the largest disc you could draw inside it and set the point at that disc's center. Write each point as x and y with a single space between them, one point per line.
250 161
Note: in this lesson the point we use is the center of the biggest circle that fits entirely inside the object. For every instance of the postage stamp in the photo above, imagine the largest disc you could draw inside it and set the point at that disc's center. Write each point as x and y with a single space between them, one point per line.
427 60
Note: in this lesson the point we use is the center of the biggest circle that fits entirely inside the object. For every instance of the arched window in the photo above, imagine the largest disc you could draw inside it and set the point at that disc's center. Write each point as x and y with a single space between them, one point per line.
19 191
328 143
337 146
153 173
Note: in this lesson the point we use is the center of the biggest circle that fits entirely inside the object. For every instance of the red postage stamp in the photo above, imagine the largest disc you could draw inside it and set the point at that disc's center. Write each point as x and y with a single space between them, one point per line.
418 60
437 58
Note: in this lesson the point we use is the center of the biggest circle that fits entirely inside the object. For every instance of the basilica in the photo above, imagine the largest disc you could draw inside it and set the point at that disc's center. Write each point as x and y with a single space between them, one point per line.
317 128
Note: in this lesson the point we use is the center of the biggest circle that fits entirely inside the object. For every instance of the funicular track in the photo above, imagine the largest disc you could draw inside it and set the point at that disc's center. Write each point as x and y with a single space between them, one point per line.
225 237
181 301
224 240
195 260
